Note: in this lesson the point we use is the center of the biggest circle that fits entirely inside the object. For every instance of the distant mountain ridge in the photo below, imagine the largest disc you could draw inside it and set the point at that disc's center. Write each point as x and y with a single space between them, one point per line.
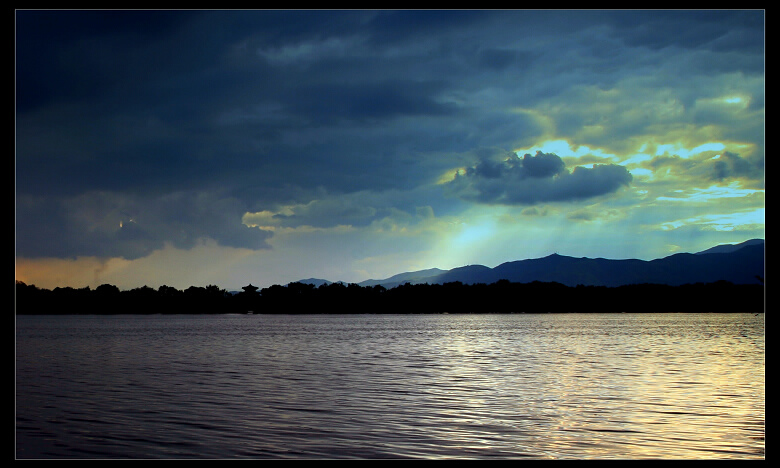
727 248
315 281
408 277
737 263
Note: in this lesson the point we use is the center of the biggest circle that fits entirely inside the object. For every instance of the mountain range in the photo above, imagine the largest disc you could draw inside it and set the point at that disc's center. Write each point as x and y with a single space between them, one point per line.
741 263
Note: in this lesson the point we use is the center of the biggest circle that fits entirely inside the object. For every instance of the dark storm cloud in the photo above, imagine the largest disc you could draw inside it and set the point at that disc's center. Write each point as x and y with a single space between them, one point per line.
731 165
536 179
499 59
411 25
271 108
691 29
105 224
100 108
56 58
704 168
542 165
368 101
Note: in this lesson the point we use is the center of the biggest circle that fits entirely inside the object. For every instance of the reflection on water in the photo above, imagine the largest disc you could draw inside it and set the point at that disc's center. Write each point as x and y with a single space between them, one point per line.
580 386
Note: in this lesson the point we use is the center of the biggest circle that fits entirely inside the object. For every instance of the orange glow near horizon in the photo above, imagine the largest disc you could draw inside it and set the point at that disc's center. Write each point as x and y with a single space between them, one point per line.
49 273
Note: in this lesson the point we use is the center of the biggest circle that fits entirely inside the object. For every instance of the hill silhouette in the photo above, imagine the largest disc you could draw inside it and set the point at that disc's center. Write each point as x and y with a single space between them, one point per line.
736 263
401 278
720 281
727 248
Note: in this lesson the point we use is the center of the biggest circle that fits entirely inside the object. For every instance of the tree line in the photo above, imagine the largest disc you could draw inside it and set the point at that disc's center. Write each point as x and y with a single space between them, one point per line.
300 298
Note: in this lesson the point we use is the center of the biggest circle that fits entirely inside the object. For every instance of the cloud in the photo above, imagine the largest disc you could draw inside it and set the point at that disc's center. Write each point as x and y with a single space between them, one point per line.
322 213
308 51
608 215
330 132
699 30
730 165
702 169
106 224
499 59
360 101
747 220
536 179
355 210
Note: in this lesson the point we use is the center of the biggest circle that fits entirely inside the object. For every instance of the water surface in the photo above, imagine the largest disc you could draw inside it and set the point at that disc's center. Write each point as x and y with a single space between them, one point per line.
559 386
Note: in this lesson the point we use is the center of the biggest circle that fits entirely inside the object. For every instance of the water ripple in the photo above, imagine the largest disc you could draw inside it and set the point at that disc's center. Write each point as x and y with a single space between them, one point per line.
559 386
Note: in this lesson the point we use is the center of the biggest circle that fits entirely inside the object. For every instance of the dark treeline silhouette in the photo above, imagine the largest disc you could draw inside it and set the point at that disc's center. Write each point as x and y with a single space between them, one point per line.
337 298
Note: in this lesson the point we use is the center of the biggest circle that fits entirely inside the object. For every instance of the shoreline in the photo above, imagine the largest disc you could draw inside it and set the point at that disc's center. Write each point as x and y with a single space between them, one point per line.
502 297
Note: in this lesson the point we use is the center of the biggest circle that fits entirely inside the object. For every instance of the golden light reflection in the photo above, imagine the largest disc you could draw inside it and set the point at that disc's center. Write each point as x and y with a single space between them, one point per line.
659 394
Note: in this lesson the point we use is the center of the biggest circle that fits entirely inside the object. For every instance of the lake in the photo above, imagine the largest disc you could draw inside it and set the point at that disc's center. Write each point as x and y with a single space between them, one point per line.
478 386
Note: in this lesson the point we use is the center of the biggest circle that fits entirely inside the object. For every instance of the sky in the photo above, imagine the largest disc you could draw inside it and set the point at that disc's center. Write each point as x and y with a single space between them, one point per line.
209 147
